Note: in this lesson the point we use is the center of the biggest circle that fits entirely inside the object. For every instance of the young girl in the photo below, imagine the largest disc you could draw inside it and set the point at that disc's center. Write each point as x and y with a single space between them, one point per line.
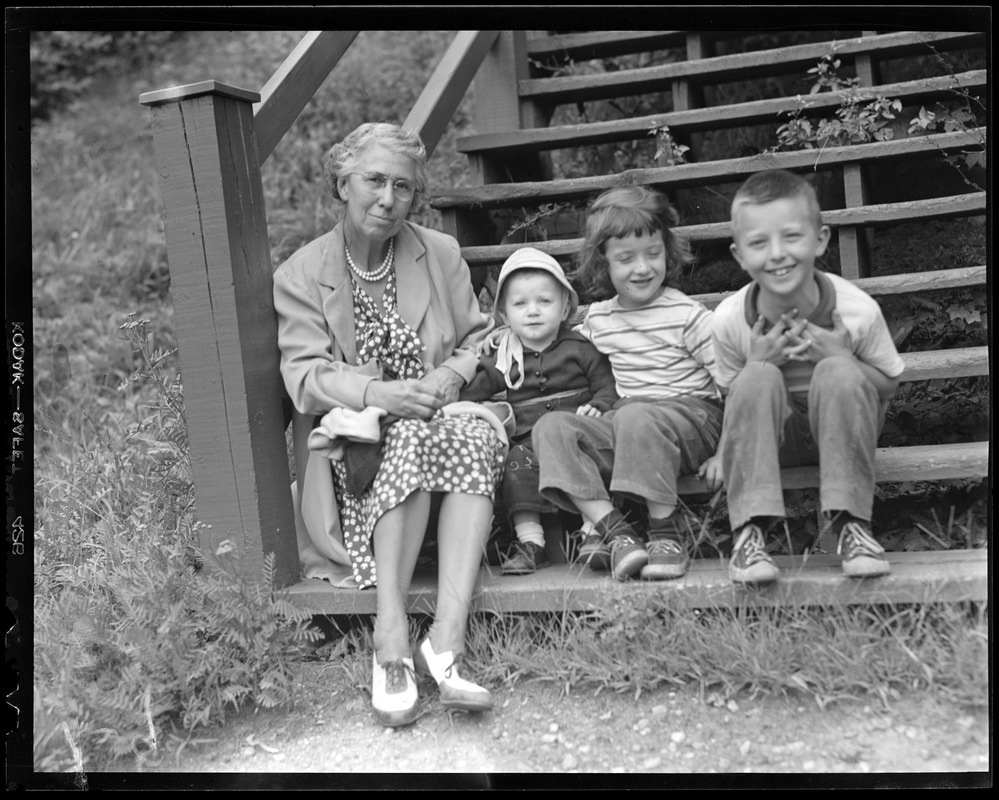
668 420
542 366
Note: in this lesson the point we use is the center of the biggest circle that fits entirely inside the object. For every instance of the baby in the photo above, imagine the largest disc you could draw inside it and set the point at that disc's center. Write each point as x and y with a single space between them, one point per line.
542 366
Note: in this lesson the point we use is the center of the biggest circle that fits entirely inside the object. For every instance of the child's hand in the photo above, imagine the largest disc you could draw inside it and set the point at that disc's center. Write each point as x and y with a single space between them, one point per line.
711 472
781 344
491 343
824 343
797 345
589 411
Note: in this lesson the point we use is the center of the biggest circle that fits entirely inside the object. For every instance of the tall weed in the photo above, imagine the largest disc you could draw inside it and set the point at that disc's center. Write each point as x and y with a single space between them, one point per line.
136 629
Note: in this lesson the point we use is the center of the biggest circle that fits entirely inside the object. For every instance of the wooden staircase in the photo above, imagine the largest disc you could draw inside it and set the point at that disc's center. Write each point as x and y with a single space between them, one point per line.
525 85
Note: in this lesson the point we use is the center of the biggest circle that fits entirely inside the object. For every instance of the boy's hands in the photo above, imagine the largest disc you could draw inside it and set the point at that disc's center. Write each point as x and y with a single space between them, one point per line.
822 343
711 472
799 340
782 343
588 411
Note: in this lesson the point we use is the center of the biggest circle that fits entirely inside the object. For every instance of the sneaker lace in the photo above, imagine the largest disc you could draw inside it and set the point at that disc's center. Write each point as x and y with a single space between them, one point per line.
623 540
664 547
856 540
754 548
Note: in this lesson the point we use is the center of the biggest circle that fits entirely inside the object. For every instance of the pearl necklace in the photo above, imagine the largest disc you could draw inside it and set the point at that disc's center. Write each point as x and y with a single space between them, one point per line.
374 275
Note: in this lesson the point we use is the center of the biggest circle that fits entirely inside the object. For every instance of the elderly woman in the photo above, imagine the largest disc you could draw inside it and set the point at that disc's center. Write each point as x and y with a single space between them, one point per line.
380 314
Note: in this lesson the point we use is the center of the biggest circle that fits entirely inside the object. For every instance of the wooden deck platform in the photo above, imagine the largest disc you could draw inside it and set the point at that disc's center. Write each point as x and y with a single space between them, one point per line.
916 577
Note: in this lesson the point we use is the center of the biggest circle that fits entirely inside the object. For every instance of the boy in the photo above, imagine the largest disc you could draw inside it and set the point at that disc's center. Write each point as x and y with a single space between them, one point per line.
808 367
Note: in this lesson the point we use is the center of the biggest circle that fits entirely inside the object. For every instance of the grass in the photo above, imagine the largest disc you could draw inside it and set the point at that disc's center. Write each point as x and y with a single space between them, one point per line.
138 631
642 643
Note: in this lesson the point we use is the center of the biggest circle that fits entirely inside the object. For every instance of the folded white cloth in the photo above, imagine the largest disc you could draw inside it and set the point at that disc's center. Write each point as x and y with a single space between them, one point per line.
344 424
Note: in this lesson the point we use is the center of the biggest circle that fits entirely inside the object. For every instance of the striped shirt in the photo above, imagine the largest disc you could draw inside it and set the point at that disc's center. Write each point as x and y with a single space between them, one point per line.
661 350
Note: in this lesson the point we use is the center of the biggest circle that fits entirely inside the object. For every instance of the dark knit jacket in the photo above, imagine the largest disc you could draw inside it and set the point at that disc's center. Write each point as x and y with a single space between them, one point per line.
569 373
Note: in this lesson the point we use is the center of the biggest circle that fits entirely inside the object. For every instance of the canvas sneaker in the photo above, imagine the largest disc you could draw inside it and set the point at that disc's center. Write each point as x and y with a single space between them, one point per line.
750 562
526 557
628 556
668 558
863 557
594 551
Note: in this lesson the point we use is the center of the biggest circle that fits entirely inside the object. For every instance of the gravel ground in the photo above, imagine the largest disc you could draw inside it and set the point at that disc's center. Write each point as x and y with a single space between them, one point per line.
331 740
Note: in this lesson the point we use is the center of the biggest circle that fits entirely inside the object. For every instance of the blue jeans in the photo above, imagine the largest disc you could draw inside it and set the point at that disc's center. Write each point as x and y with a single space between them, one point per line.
765 428
638 449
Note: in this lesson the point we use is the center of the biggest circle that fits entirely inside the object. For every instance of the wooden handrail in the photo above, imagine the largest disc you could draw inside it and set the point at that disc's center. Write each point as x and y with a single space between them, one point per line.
310 63
446 87
294 83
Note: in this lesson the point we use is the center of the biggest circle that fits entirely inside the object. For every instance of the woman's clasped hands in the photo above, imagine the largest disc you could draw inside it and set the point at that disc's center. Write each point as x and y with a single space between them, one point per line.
415 398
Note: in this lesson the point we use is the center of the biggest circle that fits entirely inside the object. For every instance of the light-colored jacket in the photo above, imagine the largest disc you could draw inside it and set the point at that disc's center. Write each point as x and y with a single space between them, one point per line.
316 335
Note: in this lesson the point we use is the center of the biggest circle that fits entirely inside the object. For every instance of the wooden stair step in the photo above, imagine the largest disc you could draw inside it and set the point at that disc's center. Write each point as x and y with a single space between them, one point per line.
712 118
739 66
960 362
936 576
930 462
602 44
686 176
910 283
870 215
607 44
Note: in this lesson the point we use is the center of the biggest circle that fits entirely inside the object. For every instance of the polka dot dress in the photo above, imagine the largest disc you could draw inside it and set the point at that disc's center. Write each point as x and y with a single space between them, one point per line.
457 454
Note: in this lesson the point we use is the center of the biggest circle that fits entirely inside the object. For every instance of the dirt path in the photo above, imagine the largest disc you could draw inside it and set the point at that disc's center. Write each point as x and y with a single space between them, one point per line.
331 740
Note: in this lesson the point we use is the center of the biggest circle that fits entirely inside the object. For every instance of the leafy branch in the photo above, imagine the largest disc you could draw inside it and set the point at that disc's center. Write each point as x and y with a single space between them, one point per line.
859 120
669 152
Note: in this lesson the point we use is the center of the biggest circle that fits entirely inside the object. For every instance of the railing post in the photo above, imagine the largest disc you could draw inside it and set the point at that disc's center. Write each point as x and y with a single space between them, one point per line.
220 280
688 94
857 243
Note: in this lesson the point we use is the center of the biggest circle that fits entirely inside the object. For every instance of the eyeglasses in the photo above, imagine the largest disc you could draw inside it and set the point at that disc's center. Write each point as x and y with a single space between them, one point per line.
375 182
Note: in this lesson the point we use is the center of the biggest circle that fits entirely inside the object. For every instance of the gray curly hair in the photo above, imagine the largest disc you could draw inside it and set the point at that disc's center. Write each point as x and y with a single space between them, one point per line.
344 155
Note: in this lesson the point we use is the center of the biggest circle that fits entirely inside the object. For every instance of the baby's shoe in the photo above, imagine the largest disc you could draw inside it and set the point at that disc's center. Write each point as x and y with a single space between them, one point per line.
525 558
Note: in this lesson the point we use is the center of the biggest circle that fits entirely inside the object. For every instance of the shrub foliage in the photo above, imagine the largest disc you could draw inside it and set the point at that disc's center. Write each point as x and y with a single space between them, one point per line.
136 629
64 65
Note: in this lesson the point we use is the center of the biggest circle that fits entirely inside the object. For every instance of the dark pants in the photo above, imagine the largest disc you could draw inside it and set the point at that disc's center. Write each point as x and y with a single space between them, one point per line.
520 485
